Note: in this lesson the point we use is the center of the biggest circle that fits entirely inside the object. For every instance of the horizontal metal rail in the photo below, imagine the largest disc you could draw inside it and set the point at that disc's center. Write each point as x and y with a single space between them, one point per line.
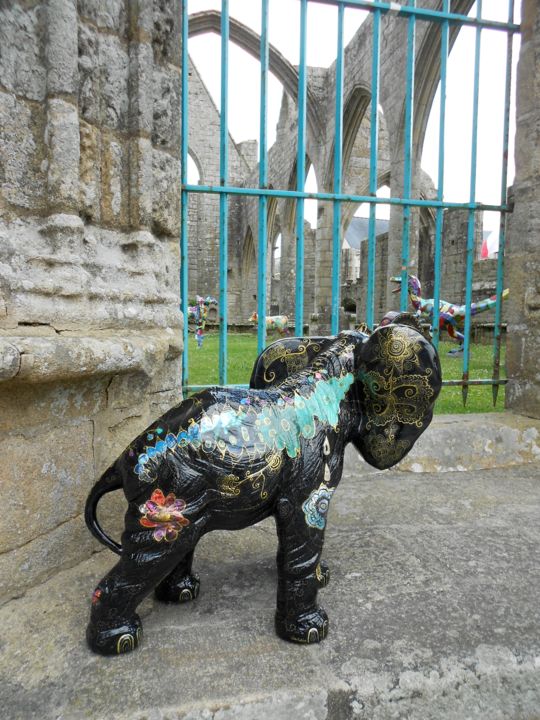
446 383
396 8
346 197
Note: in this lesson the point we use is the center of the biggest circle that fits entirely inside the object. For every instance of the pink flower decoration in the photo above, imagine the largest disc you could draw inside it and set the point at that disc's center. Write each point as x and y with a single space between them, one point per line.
164 514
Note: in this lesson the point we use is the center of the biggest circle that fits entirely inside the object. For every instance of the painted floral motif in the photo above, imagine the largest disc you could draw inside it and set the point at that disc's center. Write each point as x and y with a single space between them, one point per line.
316 506
164 513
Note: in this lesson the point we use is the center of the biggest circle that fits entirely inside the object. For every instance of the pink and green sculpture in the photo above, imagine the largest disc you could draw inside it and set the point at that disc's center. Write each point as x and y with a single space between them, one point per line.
451 315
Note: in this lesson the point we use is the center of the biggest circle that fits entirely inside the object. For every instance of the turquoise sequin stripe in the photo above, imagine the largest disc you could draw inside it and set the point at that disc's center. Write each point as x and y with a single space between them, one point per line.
274 427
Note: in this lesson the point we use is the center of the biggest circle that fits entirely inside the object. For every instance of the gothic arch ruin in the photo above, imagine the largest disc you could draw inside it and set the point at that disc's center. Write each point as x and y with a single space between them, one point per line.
319 153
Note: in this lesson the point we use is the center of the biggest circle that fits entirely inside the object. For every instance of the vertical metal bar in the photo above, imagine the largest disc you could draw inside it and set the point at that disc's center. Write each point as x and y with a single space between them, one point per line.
408 152
502 231
223 198
263 182
373 155
338 157
184 194
471 218
301 172
440 179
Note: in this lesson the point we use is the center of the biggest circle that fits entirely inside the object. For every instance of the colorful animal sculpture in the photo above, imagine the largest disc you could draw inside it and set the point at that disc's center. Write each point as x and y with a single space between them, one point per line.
451 316
274 323
226 458
198 314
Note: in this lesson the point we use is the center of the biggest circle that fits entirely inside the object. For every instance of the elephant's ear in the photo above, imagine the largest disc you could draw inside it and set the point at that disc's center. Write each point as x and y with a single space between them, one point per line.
285 357
398 381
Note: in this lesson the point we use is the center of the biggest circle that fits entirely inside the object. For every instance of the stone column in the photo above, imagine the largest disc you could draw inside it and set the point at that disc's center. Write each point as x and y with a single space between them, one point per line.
287 272
62 130
320 324
140 118
395 233
523 235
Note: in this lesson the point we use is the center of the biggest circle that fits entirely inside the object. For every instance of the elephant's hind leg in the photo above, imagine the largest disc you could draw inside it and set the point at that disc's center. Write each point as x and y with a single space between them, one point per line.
114 626
181 585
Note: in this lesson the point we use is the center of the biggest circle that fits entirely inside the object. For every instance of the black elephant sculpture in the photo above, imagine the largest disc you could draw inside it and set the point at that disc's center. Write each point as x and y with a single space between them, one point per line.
226 458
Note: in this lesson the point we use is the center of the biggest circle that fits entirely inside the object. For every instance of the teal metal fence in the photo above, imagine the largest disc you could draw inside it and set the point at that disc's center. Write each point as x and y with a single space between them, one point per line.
411 14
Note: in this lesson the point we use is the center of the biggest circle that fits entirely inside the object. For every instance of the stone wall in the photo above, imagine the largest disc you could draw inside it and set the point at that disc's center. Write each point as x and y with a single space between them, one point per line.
523 255
90 333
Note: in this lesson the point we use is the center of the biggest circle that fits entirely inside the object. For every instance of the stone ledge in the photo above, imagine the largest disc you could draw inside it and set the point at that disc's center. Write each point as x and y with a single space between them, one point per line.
34 359
476 440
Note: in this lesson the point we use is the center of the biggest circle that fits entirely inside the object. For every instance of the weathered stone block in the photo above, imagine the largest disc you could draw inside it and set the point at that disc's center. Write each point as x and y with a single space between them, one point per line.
168 378
141 89
163 401
44 484
114 69
117 428
125 391
89 80
90 172
141 19
166 194
114 177
64 155
23 159
21 49
166 31
166 127
61 47
43 556
141 181
54 404
107 14
10 359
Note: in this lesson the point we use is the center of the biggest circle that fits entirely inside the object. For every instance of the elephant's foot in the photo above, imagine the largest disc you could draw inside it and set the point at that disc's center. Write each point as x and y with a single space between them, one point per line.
178 592
123 637
309 627
322 573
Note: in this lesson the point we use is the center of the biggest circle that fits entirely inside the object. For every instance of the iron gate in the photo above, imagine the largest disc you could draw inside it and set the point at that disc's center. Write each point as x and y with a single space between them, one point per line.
411 15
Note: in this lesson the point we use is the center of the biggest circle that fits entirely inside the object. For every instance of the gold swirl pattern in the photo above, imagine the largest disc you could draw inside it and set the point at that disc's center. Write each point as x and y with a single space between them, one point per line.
385 448
258 479
402 398
398 350
229 485
294 359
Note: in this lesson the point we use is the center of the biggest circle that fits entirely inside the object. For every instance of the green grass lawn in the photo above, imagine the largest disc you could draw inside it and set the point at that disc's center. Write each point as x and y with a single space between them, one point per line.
479 398
243 352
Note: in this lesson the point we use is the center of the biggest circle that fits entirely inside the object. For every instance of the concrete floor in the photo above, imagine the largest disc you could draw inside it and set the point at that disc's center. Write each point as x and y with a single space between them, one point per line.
433 603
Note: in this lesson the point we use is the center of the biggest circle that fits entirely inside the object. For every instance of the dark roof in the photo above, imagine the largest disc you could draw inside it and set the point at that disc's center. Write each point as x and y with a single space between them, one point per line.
358 230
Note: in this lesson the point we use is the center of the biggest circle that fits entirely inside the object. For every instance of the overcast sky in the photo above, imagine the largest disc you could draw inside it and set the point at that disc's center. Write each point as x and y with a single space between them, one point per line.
284 24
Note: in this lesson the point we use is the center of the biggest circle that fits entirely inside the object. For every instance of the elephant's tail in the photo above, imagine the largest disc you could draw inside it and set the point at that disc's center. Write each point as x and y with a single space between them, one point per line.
108 482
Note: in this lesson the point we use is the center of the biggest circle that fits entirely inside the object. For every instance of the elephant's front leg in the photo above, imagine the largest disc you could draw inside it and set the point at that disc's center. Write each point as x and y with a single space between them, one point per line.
301 535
